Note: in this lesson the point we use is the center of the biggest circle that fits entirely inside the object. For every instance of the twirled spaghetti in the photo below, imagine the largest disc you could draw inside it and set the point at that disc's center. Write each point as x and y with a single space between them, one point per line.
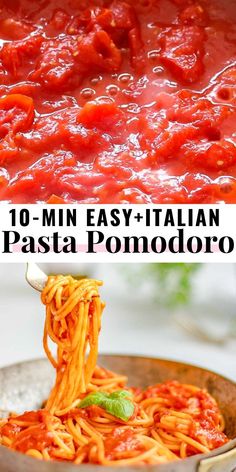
90 415
73 322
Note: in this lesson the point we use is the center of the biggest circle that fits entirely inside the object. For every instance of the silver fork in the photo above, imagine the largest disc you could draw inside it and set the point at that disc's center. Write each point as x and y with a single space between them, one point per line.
35 276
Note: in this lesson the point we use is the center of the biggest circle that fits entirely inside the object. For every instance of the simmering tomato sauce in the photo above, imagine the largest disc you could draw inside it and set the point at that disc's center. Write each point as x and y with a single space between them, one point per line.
118 101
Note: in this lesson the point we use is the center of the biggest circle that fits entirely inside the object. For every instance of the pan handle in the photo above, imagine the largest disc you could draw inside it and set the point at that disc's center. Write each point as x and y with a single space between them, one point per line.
223 463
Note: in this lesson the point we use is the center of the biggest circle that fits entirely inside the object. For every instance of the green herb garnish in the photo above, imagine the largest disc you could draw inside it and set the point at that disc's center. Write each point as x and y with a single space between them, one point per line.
117 403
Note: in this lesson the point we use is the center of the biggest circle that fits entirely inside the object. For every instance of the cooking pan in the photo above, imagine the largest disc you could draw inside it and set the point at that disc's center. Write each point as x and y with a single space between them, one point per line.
24 386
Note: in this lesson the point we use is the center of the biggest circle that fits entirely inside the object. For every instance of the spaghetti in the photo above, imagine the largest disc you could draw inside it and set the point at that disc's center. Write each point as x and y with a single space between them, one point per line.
90 415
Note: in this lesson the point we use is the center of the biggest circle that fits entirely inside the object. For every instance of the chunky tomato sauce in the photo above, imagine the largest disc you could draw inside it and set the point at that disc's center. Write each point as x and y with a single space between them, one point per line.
204 411
120 442
112 101
29 431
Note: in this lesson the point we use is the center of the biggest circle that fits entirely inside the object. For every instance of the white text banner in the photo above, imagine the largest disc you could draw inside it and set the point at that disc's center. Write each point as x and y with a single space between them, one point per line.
121 233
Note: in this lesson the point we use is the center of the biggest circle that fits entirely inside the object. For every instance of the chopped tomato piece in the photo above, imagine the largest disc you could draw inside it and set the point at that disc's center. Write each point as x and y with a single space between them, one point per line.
56 66
194 14
13 29
54 199
97 51
102 115
183 51
59 20
124 16
220 155
16 113
13 54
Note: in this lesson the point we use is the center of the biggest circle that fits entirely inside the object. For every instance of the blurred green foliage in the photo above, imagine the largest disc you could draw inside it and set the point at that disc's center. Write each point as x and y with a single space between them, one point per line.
171 282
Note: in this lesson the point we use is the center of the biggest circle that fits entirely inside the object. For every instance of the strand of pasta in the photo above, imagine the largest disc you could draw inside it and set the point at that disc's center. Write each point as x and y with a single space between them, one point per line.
73 321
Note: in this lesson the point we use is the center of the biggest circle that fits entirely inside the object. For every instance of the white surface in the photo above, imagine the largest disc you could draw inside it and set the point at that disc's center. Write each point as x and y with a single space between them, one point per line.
132 323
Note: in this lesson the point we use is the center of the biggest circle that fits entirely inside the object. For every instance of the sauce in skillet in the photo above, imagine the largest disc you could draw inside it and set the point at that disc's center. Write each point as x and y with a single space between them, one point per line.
118 101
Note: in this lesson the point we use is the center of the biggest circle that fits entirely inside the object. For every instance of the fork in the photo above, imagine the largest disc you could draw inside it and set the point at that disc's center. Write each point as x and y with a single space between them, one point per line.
35 276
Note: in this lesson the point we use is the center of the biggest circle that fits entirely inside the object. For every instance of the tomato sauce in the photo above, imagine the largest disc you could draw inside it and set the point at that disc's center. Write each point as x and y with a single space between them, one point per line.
112 101
204 410
120 442
204 430
29 431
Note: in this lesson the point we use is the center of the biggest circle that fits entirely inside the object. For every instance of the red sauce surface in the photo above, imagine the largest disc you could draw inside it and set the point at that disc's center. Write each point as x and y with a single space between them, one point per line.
120 442
118 101
202 407
31 435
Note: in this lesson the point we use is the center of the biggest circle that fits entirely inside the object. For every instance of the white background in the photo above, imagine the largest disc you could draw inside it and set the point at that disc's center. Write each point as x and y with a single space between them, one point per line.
132 322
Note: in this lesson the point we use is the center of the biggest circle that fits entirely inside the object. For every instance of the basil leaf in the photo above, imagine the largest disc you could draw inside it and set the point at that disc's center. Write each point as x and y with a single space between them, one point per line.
121 394
94 398
116 403
120 407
